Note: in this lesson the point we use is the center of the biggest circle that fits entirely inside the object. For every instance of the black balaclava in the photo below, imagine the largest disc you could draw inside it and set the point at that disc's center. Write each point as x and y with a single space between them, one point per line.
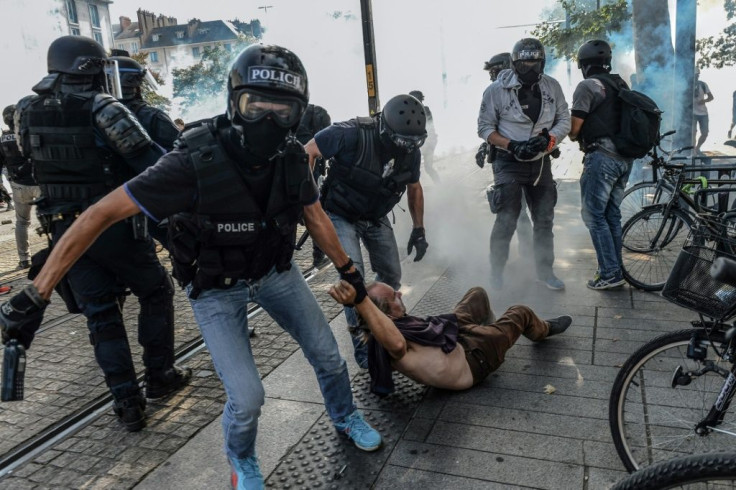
590 70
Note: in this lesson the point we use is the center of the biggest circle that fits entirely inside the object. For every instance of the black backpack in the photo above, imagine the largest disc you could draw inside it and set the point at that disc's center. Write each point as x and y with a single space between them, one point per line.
639 121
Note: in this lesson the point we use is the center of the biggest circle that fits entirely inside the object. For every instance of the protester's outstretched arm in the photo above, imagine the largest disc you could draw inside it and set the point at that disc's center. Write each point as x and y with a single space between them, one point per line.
112 208
381 326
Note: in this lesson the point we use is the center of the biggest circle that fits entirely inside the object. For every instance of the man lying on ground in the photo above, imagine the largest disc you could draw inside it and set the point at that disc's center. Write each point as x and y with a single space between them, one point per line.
453 351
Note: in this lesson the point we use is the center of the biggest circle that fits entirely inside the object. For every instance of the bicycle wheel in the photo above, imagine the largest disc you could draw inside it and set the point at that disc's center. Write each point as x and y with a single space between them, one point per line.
642 194
652 421
647 262
701 471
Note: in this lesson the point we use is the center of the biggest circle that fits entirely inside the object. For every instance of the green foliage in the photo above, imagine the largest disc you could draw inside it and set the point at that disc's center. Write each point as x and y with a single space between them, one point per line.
720 51
585 22
208 77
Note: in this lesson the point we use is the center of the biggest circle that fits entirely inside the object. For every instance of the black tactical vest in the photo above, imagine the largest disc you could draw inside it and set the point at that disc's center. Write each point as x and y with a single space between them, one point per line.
360 191
19 168
605 119
68 163
229 237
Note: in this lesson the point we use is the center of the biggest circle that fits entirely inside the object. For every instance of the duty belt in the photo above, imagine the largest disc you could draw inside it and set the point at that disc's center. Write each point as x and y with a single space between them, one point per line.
73 192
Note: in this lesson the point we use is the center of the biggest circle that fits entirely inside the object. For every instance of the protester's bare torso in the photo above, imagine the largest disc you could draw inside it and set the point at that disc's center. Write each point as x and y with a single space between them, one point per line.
432 367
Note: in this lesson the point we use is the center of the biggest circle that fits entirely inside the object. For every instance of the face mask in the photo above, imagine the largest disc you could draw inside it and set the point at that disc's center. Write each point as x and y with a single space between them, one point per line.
529 78
264 137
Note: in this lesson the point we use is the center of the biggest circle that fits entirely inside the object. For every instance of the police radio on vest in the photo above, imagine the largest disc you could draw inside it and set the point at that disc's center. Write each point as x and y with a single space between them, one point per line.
235 227
273 75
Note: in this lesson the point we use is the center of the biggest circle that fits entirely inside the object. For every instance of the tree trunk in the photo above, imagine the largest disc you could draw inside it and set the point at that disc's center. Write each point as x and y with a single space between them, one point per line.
654 53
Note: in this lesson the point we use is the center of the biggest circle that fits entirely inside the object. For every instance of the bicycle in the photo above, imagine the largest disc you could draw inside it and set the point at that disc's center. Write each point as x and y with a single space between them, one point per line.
671 397
652 237
658 189
716 470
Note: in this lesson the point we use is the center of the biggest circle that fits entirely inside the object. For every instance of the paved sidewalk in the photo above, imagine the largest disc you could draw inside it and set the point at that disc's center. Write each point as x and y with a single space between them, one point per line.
505 433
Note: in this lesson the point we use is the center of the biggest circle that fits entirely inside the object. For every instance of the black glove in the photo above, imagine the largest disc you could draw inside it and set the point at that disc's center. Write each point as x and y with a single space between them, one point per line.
21 316
480 157
418 240
529 149
356 280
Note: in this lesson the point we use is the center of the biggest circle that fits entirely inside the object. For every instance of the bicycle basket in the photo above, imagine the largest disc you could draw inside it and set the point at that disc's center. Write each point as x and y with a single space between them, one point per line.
689 284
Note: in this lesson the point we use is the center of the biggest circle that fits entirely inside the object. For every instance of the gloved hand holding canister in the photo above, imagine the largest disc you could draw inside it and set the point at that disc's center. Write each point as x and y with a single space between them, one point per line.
529 149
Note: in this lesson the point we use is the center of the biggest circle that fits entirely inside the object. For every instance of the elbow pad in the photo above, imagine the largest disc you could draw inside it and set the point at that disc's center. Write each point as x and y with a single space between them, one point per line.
122 130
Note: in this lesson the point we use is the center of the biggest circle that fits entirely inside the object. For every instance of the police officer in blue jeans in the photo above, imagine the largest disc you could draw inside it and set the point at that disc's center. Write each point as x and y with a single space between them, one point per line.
84 143
374 161
235 190
595 119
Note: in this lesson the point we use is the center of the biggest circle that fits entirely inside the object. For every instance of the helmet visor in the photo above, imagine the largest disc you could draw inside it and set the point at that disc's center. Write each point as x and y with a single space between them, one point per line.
407 143
525 66
285 111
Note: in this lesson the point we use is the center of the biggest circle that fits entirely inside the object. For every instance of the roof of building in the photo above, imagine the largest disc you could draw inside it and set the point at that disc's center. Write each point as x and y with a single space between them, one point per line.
194 32
131 32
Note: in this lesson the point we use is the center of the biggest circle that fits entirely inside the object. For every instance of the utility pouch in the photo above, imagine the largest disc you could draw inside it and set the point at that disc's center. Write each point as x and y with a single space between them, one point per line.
63 288
492 154
493 193
140 227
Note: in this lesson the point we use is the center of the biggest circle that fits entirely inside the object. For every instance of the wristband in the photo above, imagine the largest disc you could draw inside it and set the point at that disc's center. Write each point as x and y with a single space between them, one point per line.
344 268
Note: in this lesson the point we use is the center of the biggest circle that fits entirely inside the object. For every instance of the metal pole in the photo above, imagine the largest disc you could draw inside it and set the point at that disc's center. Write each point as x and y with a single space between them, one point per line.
684 70
369 51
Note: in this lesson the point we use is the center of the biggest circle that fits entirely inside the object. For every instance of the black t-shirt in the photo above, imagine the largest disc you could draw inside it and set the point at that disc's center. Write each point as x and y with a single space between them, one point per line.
530 100
170 186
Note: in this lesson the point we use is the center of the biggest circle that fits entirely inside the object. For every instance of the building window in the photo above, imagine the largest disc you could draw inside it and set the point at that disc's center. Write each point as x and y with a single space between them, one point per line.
195 51
98 37
228 47
75 32
120 46
180 34
71 12
134 47
94 15
154 38
153 56
203 31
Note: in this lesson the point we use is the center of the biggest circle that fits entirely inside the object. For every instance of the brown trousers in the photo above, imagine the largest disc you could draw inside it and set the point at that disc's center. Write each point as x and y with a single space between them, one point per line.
485 338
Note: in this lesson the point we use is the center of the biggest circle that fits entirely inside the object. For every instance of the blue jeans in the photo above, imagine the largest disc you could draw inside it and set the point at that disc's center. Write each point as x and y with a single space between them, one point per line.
380 242
222 315
602 189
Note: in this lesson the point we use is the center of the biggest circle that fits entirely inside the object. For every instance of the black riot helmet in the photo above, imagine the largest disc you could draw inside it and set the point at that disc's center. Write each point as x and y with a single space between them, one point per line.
498 62
417 94
402 124
132 75
528 60
594 53
8 114
267 74
76 55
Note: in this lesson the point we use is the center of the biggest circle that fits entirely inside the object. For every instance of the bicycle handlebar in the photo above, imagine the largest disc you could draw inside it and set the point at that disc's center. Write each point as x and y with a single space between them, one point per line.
724 269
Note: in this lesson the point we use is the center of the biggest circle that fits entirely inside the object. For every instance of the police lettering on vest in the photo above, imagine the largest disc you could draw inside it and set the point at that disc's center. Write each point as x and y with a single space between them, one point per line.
236 227
268 76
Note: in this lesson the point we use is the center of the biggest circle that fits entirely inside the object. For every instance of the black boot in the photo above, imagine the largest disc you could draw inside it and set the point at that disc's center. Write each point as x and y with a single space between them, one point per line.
160 383
131 412
558 325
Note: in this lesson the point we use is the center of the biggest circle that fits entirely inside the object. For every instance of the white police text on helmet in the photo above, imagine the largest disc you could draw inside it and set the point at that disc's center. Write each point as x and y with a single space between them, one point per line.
269 75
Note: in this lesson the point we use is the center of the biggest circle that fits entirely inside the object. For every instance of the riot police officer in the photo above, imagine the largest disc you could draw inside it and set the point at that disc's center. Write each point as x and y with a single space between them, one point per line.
374 161
84 143
524 115
25 190
497 63
431 142
235 189
157 124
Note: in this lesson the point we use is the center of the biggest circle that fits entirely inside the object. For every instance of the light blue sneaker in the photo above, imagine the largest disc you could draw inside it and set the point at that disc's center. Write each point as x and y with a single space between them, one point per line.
356 428
246 474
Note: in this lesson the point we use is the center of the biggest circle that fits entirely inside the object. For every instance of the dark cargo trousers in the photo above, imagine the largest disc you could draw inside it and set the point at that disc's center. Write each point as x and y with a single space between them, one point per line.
115 258
514 181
